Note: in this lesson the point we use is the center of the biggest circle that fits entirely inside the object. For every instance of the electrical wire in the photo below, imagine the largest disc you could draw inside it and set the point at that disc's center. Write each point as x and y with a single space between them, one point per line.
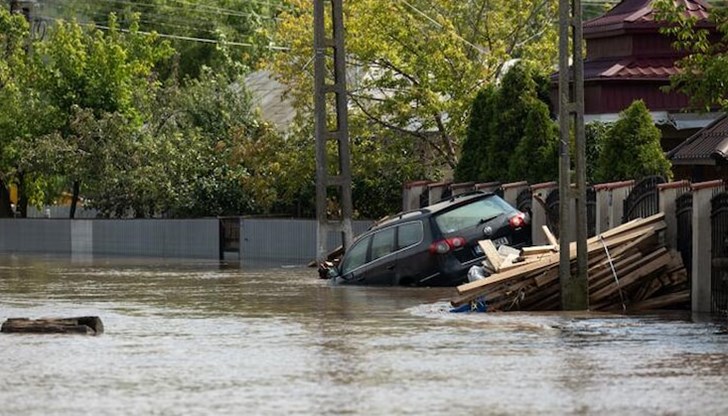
177 37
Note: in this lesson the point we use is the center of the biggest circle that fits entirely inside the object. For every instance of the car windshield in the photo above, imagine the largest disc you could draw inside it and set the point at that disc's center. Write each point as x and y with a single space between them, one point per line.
472 214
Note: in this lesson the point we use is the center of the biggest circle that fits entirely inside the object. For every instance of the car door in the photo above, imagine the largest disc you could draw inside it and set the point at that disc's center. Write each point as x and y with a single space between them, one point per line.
414 261
381 269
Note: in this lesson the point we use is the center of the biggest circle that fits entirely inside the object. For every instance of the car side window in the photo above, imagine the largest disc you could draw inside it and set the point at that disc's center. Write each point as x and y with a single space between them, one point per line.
410 234
383 243
356 256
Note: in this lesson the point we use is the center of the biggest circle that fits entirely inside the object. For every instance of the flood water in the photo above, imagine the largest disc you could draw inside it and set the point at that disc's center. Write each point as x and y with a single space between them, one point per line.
199 338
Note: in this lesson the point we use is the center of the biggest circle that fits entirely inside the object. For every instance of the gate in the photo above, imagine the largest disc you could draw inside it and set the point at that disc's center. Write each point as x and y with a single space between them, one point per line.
229 235
523 201
552 212
643 200
719 239
684 217
591 212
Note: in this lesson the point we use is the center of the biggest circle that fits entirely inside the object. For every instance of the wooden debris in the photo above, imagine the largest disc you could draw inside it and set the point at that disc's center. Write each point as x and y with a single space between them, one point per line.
628 269
90 325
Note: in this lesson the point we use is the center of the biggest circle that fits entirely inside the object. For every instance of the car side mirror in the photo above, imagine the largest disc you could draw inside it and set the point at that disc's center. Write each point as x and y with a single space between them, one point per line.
333 273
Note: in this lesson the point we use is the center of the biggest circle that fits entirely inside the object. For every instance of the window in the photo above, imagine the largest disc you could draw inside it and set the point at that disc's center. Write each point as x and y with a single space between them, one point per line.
383 243
410 234
356 256
473 214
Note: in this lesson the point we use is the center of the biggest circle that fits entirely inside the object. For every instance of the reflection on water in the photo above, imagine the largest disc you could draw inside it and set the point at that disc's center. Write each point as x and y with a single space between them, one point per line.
204 338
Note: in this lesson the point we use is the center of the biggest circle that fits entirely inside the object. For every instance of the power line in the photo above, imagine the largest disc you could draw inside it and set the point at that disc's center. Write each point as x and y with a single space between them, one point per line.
436 23
177 37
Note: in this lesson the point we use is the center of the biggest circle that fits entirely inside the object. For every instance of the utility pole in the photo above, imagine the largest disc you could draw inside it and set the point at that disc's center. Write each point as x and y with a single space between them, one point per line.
338 180
574 289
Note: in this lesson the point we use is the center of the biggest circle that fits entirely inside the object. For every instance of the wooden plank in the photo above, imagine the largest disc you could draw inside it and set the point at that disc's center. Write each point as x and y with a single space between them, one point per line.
534 250
491 253
632 277
479 287
550 237
672 300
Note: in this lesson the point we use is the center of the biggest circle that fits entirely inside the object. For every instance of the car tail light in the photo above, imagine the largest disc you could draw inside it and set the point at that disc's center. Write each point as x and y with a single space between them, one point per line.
445 246
518 220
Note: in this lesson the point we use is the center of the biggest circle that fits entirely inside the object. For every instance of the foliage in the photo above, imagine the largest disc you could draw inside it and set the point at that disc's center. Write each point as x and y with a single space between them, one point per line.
704 69
413 73
594 136
511 135
632 147
192 27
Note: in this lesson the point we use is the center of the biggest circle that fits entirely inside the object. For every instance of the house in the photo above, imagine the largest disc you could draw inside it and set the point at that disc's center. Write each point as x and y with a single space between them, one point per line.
703 156
628 59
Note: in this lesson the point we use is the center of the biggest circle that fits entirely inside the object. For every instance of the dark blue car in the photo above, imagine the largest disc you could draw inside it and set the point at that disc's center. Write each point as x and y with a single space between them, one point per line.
432 246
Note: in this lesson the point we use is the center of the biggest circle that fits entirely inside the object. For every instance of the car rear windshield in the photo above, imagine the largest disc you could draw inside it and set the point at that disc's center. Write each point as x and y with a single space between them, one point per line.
473 214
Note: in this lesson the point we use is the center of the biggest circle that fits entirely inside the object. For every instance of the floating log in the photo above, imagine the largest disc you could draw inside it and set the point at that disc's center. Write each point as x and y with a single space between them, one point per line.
90 325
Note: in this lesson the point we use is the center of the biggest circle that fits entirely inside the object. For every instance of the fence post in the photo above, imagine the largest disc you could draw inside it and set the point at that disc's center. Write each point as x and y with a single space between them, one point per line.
411 193
538 211
668 194
702 247
618 192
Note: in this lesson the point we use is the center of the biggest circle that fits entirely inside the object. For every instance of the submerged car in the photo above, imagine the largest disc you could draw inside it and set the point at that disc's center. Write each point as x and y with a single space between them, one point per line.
432 246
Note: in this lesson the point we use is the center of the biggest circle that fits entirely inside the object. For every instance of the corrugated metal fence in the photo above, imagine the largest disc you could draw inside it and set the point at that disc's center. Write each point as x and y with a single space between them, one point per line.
260 239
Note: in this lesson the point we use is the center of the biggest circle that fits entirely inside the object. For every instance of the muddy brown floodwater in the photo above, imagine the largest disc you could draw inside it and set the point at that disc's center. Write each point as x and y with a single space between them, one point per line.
197 338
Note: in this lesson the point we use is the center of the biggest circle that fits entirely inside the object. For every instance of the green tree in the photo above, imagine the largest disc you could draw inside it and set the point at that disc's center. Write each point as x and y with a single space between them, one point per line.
594 135
416 66
703 71
536 158
511 135
192 27
105 73
632 147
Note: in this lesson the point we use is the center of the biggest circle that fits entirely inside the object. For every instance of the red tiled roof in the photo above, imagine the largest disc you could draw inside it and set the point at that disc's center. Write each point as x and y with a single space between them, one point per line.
639 13
704 147
630 68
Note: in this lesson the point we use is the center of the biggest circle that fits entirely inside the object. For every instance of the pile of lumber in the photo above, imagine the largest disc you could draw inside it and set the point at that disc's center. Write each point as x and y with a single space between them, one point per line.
629 268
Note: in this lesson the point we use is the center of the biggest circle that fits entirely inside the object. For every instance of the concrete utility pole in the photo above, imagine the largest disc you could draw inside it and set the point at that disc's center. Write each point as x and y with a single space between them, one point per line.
340 179
574 290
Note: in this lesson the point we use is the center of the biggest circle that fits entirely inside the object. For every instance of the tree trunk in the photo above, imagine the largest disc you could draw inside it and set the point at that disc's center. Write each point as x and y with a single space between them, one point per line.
6 211
74 198
22 207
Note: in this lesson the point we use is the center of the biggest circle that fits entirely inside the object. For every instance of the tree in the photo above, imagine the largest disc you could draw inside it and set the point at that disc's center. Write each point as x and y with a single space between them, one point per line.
703 71
193 28
105 73
416 73
511 135
632 147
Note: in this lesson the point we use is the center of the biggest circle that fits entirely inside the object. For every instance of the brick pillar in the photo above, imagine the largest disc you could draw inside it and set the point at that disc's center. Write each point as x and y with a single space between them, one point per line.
435 191
411 193
487 186
511 190
702 245
538 211
610 203
462 188
668 194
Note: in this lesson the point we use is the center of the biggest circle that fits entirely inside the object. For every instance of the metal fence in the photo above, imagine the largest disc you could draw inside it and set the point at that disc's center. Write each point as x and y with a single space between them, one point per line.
719 261
643 200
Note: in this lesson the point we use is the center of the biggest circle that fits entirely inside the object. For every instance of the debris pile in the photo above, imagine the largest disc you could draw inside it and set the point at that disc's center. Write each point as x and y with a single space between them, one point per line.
629 268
